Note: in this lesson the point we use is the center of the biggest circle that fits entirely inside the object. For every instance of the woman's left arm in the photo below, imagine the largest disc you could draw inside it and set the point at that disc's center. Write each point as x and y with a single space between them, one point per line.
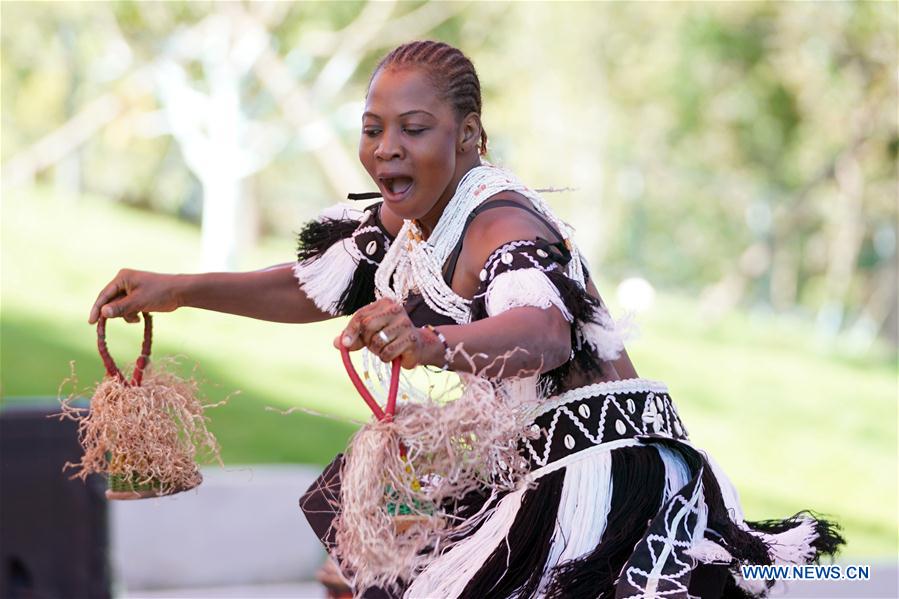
519 341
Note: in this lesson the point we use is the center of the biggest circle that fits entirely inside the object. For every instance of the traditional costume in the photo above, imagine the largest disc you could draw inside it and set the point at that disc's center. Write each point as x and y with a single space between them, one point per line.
617 502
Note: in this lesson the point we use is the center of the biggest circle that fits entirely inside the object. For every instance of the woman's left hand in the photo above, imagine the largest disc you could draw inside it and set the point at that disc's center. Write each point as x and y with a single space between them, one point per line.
386 330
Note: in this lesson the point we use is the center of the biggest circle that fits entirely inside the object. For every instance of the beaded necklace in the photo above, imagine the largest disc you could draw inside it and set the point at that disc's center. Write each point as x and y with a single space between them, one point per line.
415 265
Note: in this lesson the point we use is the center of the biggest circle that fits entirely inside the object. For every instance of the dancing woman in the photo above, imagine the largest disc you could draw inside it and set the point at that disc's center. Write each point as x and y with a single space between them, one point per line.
460 252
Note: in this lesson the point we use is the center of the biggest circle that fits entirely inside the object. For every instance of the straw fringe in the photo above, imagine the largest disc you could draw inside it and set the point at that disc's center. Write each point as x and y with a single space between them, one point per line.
450 449
152 433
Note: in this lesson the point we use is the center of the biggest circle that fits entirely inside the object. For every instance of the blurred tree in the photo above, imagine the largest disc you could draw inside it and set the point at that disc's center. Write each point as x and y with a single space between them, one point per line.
743 151
765 135
226 87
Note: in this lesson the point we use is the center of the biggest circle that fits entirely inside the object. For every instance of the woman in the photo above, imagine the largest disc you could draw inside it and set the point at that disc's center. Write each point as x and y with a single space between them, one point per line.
461 253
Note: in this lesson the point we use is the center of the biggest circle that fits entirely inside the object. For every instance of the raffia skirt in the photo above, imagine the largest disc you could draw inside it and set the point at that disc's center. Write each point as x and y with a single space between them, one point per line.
622 505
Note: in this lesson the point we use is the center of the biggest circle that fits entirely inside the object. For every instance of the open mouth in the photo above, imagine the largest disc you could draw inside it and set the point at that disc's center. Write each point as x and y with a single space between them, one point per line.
397 187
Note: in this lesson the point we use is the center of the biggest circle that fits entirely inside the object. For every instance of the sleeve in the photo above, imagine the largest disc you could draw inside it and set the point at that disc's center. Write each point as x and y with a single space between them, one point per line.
337 256
534 273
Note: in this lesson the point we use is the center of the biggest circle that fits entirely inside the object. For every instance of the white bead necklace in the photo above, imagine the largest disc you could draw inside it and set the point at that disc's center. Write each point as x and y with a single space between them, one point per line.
416 264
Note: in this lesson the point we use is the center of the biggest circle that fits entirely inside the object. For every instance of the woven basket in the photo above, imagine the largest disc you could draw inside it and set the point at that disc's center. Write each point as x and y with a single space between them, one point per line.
131 485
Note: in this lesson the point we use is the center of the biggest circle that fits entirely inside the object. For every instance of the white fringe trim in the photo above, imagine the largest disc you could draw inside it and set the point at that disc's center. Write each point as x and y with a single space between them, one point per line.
607 337
792 546
676 472
523 287
449 574
323 279
583 512
708 552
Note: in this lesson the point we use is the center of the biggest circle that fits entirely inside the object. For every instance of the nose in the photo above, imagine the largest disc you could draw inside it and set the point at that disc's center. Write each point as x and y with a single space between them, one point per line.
389 146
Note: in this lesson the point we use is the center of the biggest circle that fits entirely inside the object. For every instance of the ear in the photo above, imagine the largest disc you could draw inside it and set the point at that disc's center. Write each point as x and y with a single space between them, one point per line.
469 132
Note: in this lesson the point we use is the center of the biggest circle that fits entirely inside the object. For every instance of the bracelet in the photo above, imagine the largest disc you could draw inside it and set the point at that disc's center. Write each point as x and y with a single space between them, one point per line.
446 349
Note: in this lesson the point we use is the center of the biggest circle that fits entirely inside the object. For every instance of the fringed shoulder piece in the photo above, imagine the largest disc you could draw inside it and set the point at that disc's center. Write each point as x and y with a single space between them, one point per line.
337 256
533 273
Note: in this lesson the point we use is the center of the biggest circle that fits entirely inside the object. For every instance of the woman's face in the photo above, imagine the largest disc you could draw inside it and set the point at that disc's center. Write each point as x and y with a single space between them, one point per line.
408 143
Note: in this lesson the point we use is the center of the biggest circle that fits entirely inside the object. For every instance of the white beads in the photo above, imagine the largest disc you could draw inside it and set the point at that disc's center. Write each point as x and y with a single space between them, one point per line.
371 247
483 274
620 427
583 410
630 405
506 258
542 253
569 442
418 264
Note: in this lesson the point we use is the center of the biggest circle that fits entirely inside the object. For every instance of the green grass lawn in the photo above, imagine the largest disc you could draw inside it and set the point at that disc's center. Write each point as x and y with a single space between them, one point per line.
796 423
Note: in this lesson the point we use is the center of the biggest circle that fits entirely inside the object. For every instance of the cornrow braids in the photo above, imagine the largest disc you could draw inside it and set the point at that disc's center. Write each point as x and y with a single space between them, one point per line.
449 69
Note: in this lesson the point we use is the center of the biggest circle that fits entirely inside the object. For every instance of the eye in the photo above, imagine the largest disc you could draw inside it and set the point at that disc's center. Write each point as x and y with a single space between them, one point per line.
414 130
370 132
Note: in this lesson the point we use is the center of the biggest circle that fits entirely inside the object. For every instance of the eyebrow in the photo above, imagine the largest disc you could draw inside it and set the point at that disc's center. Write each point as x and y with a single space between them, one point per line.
407 113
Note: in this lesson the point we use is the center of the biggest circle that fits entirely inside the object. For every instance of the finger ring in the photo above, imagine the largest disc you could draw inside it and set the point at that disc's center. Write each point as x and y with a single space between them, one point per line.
383 337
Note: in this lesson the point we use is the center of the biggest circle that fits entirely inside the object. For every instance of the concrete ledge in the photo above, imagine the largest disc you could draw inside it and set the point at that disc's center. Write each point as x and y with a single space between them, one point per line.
242 526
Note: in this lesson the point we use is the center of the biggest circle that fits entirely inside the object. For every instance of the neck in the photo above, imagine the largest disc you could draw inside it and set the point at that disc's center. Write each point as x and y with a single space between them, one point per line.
429 220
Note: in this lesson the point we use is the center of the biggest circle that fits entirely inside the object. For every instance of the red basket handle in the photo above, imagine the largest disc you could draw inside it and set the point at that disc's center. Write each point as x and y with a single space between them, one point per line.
141 362
364 392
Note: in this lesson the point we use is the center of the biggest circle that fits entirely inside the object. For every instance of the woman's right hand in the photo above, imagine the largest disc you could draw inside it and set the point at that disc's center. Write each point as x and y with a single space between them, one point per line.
134 291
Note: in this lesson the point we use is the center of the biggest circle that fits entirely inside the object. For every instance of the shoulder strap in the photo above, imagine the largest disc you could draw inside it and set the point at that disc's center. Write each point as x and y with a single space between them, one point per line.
454 255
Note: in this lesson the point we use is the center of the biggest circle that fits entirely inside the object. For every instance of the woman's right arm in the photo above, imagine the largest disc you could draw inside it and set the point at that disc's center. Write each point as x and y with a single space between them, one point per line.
270 294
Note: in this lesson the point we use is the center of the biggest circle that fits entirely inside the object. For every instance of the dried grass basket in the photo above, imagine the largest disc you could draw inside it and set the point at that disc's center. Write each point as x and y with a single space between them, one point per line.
144 431
403 517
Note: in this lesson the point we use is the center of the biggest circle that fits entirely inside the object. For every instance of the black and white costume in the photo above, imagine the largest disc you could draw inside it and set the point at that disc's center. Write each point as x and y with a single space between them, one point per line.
623 504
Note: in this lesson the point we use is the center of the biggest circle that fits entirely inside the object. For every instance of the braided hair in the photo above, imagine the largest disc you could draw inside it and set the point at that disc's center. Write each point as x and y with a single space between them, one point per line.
451 72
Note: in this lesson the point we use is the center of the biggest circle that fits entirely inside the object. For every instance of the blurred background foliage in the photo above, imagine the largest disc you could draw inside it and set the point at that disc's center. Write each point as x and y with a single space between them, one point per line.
744 152
737 160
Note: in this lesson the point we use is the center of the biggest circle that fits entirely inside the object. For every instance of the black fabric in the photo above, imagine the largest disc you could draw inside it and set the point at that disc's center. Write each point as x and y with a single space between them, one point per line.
450 268
420 313
361 290
320 504
733 591
551 258
584 308
583 424
708 581
659 560
515 567
744 547
638 484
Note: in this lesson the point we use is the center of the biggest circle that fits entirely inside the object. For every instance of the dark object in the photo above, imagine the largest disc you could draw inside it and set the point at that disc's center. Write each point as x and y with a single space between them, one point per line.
53 531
